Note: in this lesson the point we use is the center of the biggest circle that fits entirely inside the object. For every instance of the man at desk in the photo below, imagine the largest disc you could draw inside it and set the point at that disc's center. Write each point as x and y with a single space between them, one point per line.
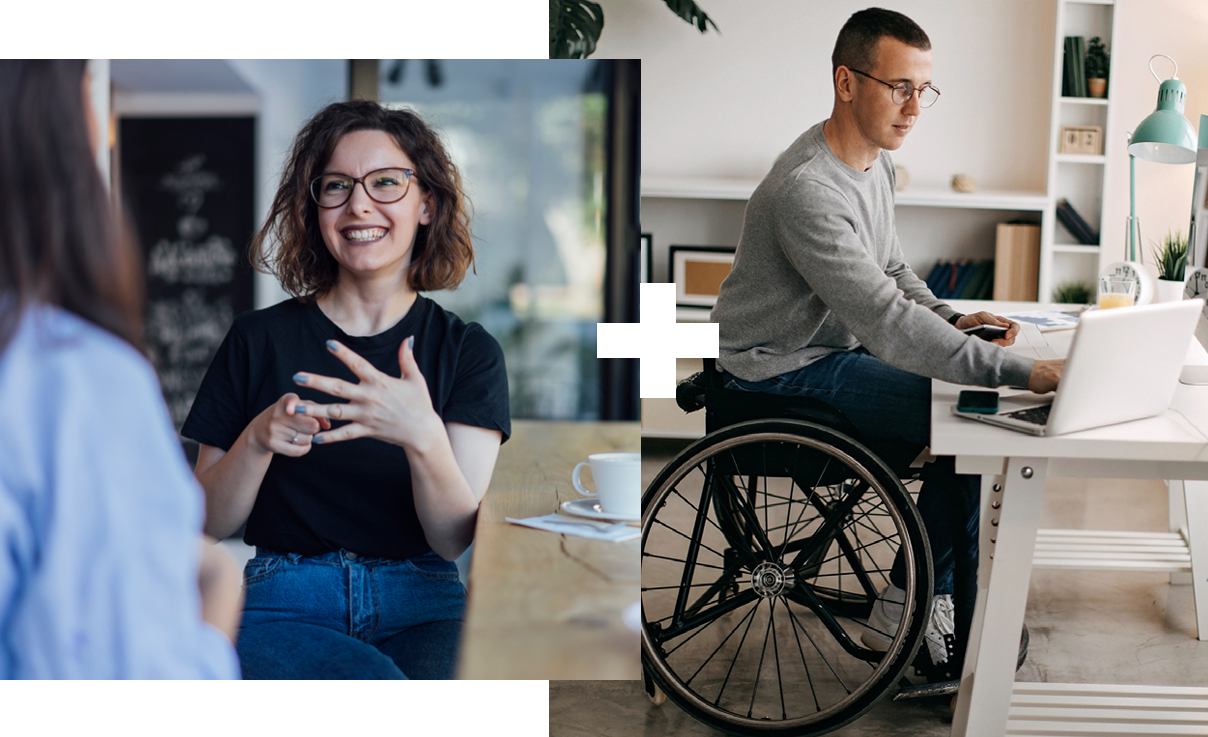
820 302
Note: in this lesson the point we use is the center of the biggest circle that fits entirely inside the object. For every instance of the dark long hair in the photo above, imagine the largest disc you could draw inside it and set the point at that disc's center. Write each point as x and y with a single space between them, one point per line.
290 244
59 240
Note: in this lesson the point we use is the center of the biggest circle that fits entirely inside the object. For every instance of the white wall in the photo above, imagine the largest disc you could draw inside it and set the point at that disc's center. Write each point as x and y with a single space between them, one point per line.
726 104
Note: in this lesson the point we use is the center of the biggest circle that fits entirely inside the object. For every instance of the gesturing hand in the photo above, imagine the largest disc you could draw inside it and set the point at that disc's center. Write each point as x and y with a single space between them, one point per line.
398 411
279 429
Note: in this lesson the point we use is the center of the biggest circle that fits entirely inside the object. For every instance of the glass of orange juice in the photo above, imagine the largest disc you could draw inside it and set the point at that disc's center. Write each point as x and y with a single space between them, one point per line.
1116 292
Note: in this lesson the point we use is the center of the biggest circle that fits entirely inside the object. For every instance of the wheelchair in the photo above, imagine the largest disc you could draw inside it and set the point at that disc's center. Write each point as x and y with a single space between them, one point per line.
764 547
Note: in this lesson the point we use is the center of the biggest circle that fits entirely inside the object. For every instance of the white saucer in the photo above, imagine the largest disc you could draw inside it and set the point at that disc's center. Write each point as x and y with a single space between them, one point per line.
590 507
632 616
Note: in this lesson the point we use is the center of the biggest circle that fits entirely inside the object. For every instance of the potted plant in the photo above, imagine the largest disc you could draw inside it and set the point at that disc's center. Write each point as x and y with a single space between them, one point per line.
1096 67
575 25
1076 293
1171 258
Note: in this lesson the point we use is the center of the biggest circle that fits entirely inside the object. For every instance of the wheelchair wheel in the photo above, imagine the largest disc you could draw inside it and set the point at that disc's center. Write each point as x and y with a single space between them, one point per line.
764 547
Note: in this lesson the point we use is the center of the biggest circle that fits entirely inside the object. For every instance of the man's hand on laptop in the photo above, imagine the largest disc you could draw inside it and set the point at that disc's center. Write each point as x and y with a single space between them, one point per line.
1045 375
986 318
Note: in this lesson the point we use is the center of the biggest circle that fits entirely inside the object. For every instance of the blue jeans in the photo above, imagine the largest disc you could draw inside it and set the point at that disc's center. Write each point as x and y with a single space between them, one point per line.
891 404
341 616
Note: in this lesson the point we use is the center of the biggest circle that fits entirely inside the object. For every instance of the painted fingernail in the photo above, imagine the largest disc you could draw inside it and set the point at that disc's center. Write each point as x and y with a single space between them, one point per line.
333 346
411 343
299 378
317 439
300 409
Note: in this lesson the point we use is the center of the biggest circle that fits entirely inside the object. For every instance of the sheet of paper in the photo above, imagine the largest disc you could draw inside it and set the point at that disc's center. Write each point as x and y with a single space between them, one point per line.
1045 320
562 525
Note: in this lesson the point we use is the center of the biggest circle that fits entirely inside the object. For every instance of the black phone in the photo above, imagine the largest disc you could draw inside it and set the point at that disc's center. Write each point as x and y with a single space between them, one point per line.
975 401
986 332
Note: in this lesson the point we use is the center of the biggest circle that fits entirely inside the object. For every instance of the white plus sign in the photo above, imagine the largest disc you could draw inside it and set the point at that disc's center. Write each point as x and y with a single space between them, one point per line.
657 340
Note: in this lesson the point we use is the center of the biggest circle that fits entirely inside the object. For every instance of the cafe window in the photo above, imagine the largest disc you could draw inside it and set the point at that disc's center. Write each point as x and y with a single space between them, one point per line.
530 139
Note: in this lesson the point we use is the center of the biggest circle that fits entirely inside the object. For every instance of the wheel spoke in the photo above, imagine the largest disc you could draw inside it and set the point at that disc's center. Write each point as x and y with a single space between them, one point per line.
709 615
681 560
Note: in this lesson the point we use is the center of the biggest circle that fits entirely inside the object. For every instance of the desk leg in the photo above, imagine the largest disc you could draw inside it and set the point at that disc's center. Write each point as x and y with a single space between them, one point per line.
1195 496
1178 523
1008 539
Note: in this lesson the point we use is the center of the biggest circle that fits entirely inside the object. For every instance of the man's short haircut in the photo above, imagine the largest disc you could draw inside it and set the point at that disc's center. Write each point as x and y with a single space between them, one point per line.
859 36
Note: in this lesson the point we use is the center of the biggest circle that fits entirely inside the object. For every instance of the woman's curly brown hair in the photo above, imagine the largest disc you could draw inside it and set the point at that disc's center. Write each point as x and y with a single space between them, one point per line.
290 245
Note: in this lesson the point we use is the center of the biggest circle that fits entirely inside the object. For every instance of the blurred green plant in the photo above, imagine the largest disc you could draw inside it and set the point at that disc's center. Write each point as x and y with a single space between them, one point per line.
1076 293
1171 256
1096 59
575 25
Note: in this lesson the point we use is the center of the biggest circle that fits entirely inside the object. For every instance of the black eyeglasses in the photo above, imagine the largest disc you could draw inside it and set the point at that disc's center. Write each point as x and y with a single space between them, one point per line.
903 91
382 185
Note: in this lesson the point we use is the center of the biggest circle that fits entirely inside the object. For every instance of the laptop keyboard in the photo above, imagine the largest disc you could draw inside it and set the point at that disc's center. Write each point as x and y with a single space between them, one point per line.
1035 415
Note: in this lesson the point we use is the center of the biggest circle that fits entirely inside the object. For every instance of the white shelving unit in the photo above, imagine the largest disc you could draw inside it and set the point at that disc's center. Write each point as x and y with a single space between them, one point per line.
1079 179
741 189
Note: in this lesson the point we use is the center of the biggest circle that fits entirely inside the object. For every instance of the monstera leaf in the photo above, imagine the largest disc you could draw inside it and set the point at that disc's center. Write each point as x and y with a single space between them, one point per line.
692 13
575 25
574 28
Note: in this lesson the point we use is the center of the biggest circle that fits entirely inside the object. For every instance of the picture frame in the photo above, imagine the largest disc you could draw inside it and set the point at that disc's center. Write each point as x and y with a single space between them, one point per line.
645 264
1081 140
698 272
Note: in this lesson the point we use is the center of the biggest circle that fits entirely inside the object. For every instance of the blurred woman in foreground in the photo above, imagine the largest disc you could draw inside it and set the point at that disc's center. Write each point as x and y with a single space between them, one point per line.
100 518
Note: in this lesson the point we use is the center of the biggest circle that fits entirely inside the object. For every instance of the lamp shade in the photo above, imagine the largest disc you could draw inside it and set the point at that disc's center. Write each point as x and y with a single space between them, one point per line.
1165 136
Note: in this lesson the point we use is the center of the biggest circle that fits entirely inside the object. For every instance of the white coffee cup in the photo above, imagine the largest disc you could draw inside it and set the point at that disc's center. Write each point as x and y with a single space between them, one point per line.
618 482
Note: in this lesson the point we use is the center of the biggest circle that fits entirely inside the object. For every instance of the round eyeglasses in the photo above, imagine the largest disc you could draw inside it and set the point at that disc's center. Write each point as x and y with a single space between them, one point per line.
382 185
903 91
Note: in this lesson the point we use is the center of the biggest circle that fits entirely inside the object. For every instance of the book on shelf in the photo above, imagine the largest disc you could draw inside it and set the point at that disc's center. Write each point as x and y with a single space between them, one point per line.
1080 66
963 279
1067 68
1073 79
964 272
938 276
980 284
1017 262
1075 224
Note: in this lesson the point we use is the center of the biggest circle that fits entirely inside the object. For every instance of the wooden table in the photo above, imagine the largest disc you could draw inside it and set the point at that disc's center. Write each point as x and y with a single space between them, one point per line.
543 605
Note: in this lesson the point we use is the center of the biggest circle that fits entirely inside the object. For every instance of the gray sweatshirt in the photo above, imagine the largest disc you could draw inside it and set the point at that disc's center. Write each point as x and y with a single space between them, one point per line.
819 270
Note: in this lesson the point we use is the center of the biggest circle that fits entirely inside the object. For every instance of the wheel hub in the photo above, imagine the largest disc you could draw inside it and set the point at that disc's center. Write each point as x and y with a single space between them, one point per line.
772 579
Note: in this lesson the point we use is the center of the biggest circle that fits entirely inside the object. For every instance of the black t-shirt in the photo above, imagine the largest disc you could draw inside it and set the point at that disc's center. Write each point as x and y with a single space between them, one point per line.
354 494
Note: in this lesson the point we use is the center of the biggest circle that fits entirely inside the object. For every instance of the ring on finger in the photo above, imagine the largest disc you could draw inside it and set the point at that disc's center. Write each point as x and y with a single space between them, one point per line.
295 439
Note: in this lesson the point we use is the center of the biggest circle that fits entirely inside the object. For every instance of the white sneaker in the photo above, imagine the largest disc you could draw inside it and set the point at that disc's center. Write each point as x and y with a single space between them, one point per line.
887 613
941 627
883 621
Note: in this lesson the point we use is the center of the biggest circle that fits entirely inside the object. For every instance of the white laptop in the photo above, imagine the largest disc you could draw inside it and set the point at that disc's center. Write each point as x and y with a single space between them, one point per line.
1123 365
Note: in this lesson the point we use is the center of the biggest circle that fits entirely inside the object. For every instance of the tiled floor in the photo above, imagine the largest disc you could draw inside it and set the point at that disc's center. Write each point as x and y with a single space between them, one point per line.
1132 628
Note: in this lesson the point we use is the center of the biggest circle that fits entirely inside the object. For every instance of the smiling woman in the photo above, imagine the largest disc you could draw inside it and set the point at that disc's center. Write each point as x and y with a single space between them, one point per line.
355 455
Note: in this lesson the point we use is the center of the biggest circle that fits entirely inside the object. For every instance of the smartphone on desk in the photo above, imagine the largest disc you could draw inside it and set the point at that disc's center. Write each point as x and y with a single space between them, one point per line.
986 332
976 401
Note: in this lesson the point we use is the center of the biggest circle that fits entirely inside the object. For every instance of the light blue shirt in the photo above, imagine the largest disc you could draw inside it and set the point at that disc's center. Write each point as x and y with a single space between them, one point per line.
100 516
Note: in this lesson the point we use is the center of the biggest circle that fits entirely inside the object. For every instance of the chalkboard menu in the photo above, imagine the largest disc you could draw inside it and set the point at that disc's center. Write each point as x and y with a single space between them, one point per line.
188 183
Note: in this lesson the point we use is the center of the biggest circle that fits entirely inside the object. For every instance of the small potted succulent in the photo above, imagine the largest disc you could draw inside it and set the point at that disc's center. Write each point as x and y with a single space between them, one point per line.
1171 258
1096 68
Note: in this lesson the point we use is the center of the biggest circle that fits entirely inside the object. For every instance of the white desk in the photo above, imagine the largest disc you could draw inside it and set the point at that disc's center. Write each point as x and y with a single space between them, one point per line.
1014 467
